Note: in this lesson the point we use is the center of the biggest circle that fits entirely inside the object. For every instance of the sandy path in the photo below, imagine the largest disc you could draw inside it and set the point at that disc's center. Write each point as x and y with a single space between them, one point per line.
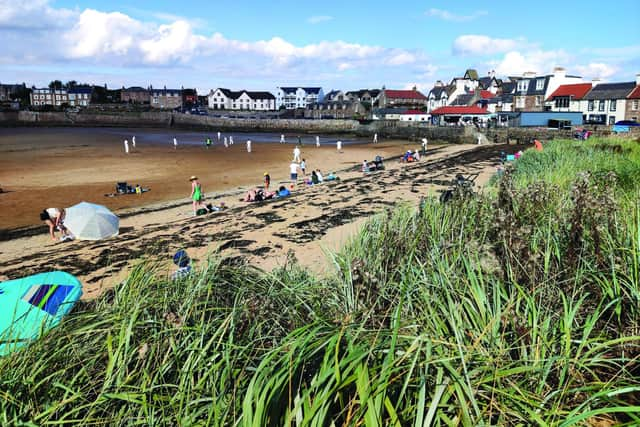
313 219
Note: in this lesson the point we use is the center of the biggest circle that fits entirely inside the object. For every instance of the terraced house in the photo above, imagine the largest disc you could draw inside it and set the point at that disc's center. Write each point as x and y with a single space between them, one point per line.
226 99
532 90
166 98
606 102
632 108
405 98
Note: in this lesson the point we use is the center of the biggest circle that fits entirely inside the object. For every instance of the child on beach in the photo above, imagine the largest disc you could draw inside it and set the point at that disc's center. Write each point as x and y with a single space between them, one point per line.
303 167
293 169
267 181
196 194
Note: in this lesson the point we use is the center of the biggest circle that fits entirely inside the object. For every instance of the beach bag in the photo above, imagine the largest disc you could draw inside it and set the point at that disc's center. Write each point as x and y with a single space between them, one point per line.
202 211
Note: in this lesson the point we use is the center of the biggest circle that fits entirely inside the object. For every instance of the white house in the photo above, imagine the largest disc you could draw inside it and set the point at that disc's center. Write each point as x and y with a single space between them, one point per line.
438 96
415 116
298 97
47 96
606 102
225 99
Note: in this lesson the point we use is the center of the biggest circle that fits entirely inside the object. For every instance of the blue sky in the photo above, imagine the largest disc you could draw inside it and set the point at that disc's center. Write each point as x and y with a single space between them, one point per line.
335 44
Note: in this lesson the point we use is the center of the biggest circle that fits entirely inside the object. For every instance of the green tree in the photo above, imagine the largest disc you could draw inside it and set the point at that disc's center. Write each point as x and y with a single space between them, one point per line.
56 84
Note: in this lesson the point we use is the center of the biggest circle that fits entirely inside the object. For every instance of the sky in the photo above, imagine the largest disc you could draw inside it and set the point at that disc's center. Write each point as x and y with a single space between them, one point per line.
335 44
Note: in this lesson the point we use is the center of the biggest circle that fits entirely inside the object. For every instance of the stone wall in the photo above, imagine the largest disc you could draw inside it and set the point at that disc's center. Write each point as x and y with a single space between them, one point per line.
384 129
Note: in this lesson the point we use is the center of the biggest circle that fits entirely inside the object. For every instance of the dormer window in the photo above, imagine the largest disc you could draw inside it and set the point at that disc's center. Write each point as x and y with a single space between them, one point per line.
539 84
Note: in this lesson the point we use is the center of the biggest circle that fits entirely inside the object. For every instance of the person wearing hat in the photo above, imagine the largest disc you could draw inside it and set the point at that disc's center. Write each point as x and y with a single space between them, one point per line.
267 181
196 194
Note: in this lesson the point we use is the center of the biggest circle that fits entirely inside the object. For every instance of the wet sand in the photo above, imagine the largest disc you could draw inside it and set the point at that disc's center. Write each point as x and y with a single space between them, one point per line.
59 167
313 220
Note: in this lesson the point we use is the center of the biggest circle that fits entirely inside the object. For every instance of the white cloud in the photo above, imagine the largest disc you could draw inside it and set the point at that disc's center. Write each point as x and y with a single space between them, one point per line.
538 61
319 19
596 70
473 44
33 14
452 17
97 33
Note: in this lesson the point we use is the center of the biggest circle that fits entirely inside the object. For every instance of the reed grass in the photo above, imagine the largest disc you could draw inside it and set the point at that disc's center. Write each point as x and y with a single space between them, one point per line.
519 307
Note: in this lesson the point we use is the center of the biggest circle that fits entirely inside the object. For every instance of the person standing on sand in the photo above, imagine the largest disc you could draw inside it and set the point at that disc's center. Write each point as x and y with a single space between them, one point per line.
196 193
424 146
248 145
375 138
231 140
317 141
218 136
53 217
296 154
303 167
339 146
126 146
208 143
282 138
175 143
267 181
226 144
133 142
293 169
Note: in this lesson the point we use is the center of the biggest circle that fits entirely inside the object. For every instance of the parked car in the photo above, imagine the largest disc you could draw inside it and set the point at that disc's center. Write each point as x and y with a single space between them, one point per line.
627 123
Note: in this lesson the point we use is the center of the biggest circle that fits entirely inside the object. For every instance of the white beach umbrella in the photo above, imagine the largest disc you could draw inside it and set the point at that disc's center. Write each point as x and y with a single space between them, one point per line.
88 221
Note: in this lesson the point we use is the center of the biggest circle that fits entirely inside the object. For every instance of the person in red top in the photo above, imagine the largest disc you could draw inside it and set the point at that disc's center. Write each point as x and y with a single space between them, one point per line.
537 144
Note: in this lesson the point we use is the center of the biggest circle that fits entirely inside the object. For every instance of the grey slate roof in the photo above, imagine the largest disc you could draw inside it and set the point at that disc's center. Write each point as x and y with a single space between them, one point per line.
508 87
437 91
260 94
464 99
610 91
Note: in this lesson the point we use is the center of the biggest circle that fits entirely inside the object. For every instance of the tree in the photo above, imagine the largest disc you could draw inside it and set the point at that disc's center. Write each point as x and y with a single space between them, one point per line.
71 84
56 84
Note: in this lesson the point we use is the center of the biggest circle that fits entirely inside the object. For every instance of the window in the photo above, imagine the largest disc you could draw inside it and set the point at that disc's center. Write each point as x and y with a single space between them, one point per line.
523 85
601 105
539 84
520 102
562 102
612 105
590 106
634 105
538 101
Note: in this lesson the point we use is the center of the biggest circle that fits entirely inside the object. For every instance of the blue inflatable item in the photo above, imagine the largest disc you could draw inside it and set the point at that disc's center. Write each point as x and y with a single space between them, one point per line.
33 305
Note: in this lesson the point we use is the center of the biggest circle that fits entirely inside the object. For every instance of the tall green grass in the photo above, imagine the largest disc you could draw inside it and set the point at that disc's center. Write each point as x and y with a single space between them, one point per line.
520 307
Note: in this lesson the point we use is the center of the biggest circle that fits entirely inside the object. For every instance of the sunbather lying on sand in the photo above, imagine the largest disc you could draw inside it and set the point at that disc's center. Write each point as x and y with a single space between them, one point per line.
258 195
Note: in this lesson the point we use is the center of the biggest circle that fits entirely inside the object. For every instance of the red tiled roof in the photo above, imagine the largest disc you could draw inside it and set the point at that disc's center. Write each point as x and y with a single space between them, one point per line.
458 110
635 94
404 94
414 112
575 91
486 94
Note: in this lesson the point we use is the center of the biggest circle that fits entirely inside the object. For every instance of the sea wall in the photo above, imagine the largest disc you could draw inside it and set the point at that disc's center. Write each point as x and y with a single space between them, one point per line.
384 128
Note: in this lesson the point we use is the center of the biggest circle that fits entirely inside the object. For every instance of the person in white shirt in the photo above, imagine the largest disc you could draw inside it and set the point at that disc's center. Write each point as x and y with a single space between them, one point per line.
375 138
339 145
231 140
175 143
126 146
293 169
296 154
133 142
218 136
248 146
317 141
282 139
320 178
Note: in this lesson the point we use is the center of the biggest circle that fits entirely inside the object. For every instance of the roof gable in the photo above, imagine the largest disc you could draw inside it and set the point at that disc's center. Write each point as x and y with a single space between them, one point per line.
458 110
611 91
635 94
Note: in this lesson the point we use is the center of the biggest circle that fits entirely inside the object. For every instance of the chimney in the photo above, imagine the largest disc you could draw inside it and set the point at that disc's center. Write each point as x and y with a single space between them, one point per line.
492 73
595 82
439 83
638 79
559 72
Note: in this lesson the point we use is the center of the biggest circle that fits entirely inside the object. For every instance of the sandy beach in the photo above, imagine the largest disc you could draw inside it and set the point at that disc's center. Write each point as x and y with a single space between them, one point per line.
316 219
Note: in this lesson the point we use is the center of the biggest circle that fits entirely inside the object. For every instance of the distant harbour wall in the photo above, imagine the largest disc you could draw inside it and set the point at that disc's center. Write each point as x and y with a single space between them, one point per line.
384 128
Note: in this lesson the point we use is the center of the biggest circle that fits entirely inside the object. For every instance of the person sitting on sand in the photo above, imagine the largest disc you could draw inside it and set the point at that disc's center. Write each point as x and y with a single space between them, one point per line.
365 167
314 178
258 195
196 194
54 218
331 177
182 260
283 192
320 178
267 181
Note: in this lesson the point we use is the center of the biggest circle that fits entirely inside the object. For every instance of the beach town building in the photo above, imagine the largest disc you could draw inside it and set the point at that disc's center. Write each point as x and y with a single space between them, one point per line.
458 114
79 96
532 90
135 95
405 98
166 99
416 116
438 96
632 108
389 113
567 97
189 97
363 95
225 99
298 97
334 96
342 109
606 102
9 92
48 96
